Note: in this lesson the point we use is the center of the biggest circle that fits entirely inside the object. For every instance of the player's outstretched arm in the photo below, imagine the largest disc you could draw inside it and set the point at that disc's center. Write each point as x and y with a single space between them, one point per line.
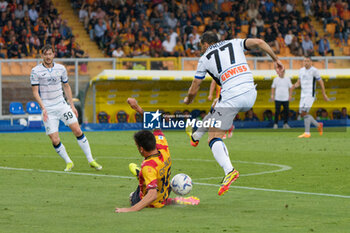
134 105
35 90
252 43
68 92
325 97
192 92
211 90
150 197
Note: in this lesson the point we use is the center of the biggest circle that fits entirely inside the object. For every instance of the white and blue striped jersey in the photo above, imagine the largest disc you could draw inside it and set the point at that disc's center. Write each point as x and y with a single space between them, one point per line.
226 63
50 82
308 79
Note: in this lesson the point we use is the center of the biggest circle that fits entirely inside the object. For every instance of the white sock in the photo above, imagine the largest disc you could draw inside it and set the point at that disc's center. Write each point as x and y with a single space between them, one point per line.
307 123
85 146
313 121
220 153
308 120
198 134
61 150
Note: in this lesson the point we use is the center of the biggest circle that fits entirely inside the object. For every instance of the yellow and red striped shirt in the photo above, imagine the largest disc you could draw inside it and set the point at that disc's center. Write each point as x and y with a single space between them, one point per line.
155 172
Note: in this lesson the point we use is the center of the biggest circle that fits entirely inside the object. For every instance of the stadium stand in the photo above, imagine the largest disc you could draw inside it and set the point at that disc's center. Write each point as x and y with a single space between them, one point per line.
132 25
28 25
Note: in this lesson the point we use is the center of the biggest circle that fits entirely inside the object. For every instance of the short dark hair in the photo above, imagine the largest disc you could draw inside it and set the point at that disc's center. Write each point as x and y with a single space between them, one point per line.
47 47
209 37
145 139
308 57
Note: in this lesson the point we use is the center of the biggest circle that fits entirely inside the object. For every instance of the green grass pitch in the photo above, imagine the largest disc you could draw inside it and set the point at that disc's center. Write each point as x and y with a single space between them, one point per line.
287 184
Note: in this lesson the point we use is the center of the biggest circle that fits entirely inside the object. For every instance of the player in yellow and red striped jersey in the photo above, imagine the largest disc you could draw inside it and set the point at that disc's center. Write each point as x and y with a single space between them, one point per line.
155 169
154 176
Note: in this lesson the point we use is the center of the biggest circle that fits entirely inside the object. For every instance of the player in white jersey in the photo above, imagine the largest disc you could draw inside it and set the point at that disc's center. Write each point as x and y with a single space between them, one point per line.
226 63
307 80
46 80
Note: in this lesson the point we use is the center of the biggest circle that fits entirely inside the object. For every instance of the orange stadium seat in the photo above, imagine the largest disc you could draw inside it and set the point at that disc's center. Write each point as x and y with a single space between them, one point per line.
245 29
346 50
250 64
201 28
199 19
5 69
169 65
26 68
284 62
241 35
283 51
330 28
206 20
190 65
318 64
15 68
265 65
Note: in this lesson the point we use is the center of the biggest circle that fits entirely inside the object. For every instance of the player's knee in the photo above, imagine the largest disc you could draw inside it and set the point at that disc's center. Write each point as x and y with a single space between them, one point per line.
210 137
55 139
76 130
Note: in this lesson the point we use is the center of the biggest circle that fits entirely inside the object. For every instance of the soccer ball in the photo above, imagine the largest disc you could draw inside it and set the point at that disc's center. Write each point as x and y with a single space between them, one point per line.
181 184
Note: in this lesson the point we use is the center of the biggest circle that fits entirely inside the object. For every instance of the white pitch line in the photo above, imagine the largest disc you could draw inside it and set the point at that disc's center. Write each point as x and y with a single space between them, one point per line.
204 184
63 172
277 190
282 167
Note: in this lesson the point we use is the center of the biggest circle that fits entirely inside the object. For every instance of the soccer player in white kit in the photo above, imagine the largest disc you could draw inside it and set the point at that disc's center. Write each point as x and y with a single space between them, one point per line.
226 64
307 80
46 80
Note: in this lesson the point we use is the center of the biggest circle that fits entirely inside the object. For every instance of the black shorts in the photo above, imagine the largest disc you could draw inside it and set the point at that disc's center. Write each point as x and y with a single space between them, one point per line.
135 197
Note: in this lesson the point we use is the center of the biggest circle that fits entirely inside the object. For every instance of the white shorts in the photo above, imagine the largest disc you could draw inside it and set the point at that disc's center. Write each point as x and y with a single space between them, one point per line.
306 103
225 111
61 111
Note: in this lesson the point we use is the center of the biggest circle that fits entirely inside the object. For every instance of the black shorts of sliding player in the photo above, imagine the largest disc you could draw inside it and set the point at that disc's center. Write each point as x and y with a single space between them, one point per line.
135 197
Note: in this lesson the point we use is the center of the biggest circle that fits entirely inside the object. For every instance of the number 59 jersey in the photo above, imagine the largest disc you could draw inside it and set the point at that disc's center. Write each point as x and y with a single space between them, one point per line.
226 63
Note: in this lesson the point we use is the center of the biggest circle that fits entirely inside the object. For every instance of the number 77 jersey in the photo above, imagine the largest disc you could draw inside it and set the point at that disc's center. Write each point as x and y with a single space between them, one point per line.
226 63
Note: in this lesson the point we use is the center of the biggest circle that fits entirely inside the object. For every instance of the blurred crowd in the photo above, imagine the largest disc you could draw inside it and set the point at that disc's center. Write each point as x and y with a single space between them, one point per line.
161 28
27 25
